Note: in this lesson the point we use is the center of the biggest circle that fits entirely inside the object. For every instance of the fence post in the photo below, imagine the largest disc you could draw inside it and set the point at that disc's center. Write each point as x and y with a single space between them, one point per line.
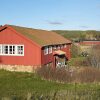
75 89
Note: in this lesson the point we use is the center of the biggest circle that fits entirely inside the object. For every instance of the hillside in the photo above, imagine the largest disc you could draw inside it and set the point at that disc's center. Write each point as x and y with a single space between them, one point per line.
79 35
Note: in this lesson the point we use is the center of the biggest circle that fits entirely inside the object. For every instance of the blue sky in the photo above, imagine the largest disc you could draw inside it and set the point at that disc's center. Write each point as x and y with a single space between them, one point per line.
51 14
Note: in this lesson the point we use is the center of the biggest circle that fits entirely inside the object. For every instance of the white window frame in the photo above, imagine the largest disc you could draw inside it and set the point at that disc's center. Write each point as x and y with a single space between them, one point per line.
14 50
46 51
50 49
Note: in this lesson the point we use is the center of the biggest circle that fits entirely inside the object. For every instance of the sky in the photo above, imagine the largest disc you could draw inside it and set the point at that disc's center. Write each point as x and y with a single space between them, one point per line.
51 14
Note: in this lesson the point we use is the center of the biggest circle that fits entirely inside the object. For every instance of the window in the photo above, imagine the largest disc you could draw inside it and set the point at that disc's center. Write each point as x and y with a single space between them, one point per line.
5 49
54 48
62 46
20 49
45 50
50 49
17 50
65 45
58 47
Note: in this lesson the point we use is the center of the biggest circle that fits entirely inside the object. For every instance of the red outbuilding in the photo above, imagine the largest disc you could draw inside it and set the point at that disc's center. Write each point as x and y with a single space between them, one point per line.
27 46
90 42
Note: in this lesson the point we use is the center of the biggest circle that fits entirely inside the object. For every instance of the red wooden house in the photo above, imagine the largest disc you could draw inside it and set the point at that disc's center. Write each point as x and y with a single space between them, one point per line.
27 46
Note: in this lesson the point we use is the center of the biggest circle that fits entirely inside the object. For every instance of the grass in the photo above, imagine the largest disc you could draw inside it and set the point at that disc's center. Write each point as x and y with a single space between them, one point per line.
18 83
21 83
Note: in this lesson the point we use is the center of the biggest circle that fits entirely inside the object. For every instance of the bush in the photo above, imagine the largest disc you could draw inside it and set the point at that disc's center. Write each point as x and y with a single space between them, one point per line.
81 75
82 63
74 51
58 74
62 75
94 57
88 74
46 72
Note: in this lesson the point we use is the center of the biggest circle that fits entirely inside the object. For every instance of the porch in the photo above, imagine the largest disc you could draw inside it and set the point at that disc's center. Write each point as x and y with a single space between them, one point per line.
60 59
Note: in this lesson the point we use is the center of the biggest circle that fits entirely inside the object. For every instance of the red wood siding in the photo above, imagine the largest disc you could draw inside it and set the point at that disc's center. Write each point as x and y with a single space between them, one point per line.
32 53
46 58
49 57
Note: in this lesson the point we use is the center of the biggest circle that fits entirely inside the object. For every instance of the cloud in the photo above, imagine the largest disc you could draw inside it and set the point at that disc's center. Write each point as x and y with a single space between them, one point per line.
84 26
54 22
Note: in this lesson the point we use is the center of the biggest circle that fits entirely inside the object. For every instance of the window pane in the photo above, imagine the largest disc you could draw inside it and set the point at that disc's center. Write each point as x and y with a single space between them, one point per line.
54 48
13 49
50 49
10 49
61 46
45 50
65 46
58 47
5 49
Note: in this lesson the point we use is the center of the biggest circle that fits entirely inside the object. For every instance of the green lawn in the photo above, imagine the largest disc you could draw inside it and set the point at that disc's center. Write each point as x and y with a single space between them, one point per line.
18 83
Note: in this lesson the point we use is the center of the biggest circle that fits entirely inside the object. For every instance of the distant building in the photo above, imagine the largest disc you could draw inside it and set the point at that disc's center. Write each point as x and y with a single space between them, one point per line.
87 45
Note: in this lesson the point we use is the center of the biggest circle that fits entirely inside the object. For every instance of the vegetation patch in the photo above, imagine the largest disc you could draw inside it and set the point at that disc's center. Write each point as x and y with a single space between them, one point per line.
78 35
21 86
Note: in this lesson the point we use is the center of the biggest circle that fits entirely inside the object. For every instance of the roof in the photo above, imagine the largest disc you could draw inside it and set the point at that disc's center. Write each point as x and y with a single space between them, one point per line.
41 37
59 52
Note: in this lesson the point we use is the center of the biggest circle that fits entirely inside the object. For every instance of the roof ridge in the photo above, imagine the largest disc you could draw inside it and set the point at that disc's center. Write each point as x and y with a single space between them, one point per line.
27 27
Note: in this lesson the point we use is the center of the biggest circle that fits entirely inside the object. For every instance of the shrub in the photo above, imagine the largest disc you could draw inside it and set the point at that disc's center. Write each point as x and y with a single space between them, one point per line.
46 72
58 74
94 57
88 74
62 75
74 51
81 75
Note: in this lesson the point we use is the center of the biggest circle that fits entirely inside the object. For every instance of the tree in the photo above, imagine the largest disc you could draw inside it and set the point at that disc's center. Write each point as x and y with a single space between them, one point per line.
74 50
94 58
